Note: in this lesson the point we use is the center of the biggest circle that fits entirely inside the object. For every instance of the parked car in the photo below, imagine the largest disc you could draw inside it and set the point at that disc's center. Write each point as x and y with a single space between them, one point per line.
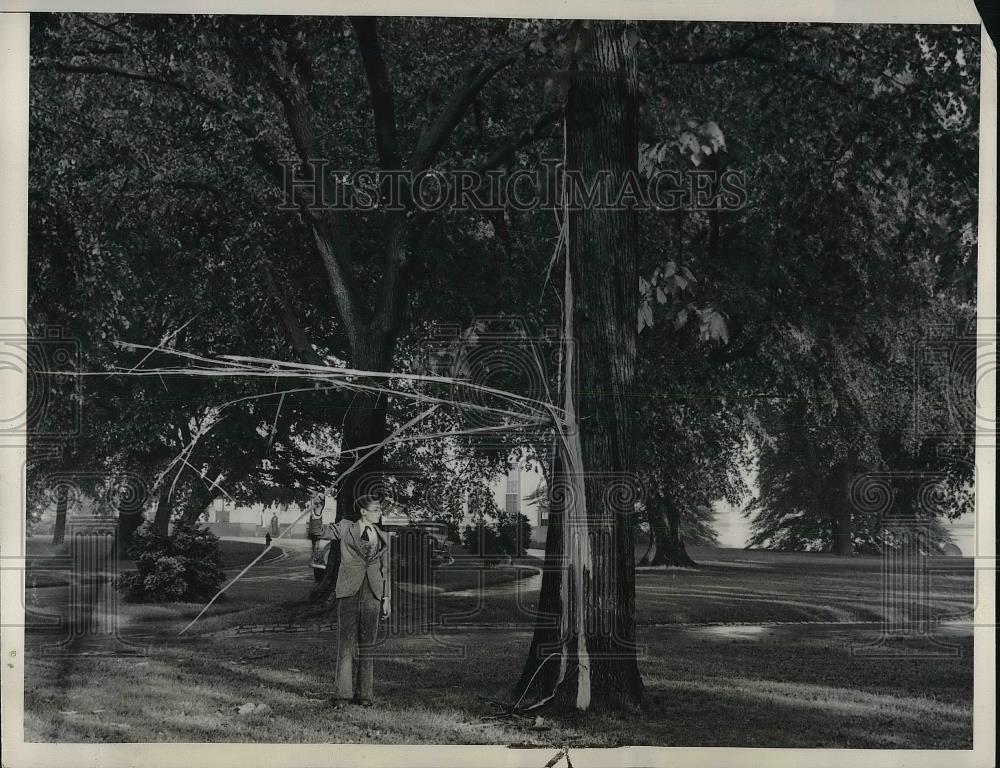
441 551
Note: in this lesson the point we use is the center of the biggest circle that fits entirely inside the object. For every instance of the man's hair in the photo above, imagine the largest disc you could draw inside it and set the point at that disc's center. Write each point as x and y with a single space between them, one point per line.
365 499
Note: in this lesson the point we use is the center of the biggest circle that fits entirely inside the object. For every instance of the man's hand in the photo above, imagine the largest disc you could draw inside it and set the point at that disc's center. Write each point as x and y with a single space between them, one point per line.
386 608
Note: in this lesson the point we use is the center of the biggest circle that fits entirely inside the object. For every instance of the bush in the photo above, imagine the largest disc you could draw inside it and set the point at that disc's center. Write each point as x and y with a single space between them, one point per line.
479 539
509 537
184 567
514 536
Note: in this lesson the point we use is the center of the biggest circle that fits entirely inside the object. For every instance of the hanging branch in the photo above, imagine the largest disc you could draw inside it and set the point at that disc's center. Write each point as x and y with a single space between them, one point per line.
307 511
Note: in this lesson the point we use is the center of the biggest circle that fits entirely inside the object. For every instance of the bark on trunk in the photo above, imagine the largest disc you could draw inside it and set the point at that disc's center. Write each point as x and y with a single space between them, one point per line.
62 503
601 301
364 425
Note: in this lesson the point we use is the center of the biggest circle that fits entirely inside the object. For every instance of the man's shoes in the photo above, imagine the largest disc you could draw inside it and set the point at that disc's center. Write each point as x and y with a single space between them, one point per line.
337 703
364 702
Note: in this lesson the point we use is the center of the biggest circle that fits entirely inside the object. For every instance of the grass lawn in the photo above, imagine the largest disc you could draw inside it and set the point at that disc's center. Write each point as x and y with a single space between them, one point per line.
752 649
235 554
239 554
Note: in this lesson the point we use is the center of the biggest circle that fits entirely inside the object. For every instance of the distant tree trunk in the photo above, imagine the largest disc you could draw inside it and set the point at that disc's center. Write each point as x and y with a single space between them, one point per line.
842 521
596 630
665 531
62 502
650 553
128 524
130 517
196 505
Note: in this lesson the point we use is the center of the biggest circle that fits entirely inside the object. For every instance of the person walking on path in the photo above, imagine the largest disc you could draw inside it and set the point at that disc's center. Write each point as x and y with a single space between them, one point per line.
314 529
363 593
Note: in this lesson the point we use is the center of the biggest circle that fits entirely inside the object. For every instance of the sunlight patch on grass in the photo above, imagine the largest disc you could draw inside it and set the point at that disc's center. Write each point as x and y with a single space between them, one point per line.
843 701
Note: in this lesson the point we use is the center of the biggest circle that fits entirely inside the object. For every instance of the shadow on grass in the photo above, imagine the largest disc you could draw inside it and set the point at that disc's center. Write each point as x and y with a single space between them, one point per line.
785 686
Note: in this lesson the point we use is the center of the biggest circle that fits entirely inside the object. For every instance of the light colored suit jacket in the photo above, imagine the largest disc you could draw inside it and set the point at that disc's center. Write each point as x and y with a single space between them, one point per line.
355 566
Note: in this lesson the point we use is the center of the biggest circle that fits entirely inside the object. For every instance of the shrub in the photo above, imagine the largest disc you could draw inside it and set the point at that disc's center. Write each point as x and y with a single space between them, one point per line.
523 534
480 539
184 567
514 536
509 537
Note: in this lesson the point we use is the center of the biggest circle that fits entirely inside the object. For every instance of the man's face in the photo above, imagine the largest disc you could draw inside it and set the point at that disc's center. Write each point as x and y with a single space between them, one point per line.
371 511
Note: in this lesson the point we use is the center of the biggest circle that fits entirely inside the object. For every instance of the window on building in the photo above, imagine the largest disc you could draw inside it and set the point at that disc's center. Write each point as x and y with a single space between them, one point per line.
513 505
513 497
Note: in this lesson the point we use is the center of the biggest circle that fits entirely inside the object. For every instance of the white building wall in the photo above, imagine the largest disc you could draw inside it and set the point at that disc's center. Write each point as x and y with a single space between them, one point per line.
510 491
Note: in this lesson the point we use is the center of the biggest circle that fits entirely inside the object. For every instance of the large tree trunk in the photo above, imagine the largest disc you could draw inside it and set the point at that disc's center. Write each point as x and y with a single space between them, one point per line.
364 425
62 502
601 305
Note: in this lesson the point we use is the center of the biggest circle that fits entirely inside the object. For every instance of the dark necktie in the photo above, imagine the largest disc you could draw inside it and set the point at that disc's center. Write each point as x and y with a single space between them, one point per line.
366 537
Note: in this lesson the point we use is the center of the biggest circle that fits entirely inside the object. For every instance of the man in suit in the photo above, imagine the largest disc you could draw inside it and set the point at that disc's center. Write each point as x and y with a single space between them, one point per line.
363 592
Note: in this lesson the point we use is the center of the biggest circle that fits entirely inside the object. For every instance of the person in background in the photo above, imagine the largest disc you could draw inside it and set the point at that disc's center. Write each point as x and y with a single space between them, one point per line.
314 529
363 593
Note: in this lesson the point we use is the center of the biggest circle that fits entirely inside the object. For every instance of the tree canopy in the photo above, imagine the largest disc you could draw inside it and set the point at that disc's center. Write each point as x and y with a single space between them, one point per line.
158 216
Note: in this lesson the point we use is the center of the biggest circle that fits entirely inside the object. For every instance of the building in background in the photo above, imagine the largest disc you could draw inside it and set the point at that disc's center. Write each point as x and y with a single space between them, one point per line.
512 498
511 493
226 519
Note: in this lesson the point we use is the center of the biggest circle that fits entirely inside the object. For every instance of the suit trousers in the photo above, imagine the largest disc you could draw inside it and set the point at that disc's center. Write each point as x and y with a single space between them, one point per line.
357 629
